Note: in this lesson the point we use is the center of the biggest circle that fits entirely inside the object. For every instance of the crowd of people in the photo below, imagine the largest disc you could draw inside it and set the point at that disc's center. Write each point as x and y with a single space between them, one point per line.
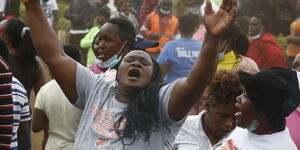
151 74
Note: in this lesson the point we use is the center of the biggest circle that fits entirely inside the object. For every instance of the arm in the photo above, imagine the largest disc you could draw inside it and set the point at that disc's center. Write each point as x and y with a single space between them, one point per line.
39 120
62 67
187 90
23 130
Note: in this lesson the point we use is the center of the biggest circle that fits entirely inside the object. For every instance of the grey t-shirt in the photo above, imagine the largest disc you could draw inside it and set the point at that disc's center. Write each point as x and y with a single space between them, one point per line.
101 110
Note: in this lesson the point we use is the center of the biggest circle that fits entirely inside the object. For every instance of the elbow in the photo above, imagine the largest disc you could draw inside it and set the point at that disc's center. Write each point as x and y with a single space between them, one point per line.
36 129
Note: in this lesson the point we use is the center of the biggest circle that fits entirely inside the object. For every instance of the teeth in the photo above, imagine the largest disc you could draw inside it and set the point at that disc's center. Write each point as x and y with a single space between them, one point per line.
238 113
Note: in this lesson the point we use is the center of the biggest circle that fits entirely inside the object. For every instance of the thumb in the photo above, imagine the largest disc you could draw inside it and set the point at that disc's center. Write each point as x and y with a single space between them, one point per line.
208 8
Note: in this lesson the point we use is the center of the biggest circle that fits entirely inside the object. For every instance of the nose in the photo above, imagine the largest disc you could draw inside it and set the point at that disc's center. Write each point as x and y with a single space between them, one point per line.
136 64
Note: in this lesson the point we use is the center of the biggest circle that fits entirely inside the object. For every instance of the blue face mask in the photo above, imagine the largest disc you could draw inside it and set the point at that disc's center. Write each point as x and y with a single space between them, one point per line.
253 125
221 55
110 63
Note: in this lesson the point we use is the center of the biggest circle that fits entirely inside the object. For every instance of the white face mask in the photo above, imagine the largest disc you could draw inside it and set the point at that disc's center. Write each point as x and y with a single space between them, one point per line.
164 12
257 35
100 63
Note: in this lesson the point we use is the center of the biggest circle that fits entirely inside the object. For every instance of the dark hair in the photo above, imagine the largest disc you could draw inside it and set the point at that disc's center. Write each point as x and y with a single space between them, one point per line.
142 112
24 66
105 11
224 87
188 24
126 30
264 20
73 52
239 43
3 50
242 22
23 43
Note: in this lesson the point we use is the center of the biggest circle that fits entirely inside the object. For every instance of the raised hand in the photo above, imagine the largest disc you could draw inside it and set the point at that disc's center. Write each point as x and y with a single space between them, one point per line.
217 22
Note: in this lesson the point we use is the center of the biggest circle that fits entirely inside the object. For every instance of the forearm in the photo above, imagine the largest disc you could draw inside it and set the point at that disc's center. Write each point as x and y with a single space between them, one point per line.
47 48
206 64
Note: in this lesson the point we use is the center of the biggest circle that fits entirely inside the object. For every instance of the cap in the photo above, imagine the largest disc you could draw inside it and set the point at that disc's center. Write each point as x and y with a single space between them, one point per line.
141 44
275 90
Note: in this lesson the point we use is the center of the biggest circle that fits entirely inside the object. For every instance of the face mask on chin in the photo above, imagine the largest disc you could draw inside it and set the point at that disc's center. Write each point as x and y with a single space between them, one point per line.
257 36
164 12
221 55
110 63
253 125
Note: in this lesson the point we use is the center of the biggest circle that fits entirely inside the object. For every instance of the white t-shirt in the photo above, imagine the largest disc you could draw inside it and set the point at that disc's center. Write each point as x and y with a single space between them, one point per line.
63 116
242 139
96 95
48 8
191 136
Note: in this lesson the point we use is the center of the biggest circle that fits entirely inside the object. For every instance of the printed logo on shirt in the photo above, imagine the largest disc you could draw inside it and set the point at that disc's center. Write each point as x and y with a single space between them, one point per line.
182 52
104 125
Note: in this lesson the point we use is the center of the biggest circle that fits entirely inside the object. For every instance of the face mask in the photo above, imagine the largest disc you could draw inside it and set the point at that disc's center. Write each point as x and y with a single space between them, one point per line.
164 12
100 63
255 36
123 14
253 125
221 55
258 35
110 63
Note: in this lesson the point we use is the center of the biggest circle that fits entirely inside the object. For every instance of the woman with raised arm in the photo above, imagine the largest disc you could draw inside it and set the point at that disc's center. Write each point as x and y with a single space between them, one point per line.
136 112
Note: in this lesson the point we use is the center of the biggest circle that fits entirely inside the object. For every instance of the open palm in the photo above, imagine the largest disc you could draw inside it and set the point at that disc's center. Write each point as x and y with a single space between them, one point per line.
217 22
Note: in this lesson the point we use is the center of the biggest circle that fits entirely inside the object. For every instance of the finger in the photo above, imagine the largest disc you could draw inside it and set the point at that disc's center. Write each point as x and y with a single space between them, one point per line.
234 4
228 5
224 2
208 8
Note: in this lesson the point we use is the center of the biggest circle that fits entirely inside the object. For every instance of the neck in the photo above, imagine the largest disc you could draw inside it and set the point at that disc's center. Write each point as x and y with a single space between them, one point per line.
186 35
265 127
122 98
213 138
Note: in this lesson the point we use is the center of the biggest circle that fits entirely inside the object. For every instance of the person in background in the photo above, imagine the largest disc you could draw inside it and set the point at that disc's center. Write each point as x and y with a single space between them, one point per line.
138 111
268 97
178 56
21 112
161 26
293 120
136 4
147 7
234 42
51 12
53 112
106 52
102 16
6 102
23 60
2 9
206 129
186 7
12 9
264 49
293 41
126 11
81 14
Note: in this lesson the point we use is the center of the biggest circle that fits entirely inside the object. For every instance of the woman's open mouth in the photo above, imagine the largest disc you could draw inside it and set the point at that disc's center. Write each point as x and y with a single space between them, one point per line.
134 74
